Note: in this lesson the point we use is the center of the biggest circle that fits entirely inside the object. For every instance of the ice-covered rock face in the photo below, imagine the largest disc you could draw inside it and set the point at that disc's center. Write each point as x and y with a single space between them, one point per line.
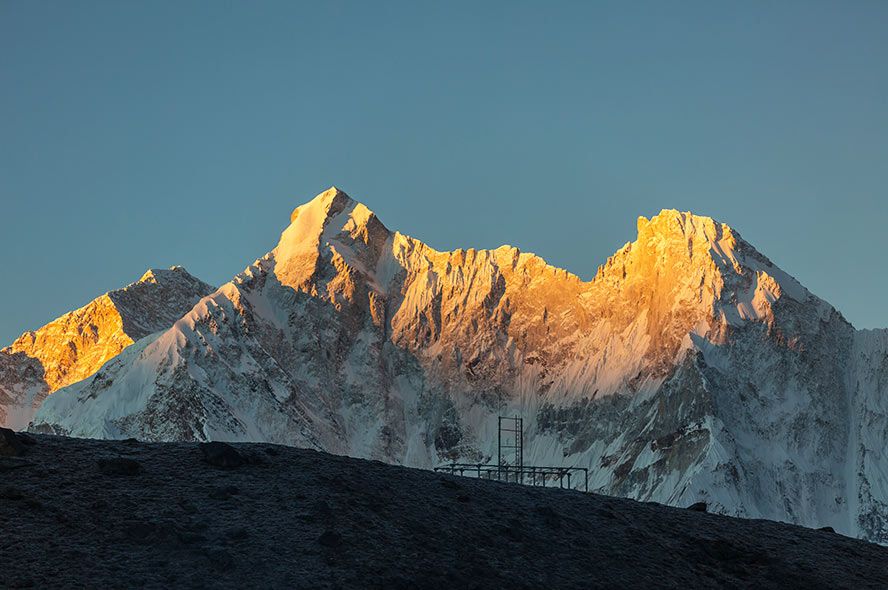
75 345
690 368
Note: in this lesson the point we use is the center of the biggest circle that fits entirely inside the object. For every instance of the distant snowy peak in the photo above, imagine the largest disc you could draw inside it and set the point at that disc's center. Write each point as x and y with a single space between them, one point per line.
330 229
73 346
157 299
335 229
172 275
684 274
696 260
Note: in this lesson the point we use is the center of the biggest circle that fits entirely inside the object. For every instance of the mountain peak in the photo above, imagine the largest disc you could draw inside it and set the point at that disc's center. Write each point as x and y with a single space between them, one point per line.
687 233
325 204
308 221
330 221
671 223
157 275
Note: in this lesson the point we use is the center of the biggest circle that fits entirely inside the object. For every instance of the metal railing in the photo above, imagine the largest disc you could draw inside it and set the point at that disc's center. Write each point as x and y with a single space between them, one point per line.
525 474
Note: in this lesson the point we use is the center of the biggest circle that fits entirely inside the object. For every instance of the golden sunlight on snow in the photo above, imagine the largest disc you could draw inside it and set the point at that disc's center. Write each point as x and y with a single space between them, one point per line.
75 345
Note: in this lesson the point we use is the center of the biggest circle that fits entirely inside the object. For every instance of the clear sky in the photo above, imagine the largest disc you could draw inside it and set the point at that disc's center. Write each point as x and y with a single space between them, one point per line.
136 135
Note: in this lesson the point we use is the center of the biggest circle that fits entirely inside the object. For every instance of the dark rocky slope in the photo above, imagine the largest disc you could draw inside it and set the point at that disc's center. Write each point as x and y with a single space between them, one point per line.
89 513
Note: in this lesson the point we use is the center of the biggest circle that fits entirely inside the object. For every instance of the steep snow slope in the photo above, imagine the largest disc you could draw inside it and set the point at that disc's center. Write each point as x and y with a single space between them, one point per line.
295 518
75 345
690 368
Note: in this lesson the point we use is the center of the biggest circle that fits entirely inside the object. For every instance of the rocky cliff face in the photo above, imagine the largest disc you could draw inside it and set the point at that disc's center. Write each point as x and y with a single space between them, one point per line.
690 368
74 346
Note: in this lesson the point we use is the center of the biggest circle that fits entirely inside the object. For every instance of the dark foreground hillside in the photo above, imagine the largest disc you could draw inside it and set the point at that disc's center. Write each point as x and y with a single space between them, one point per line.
103 514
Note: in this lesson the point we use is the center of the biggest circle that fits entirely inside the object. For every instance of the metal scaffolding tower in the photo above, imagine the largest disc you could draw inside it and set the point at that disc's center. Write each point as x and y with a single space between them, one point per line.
510 448
510 465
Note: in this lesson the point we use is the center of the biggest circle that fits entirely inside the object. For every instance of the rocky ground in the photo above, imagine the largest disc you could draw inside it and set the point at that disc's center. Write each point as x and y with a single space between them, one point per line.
114 514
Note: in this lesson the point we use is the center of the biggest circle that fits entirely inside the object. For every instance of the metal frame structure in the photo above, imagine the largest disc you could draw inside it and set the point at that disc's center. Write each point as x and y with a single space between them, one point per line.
510 462
528 475
513 443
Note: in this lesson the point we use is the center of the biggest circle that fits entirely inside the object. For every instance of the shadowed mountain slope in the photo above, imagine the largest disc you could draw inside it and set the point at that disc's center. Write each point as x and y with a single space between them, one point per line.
89 513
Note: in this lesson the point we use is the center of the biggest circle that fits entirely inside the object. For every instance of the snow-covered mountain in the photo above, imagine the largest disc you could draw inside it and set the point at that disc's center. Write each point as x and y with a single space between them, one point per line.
75 345
690 368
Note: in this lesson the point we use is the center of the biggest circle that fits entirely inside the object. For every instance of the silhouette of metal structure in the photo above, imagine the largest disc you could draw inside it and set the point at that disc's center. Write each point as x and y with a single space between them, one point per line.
510 465
510 444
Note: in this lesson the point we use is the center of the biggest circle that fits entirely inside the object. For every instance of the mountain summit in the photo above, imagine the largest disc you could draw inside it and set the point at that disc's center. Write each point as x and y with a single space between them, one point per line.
690 368
75 345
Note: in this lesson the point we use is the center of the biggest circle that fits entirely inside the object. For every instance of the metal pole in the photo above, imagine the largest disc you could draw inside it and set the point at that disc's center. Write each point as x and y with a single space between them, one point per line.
520 436
499 446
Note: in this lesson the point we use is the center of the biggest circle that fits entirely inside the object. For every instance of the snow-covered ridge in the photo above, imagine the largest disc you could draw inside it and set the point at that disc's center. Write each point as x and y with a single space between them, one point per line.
690 368
73 346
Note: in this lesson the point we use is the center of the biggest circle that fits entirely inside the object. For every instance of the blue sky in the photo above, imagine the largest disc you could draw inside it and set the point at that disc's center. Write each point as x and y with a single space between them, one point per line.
138 135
